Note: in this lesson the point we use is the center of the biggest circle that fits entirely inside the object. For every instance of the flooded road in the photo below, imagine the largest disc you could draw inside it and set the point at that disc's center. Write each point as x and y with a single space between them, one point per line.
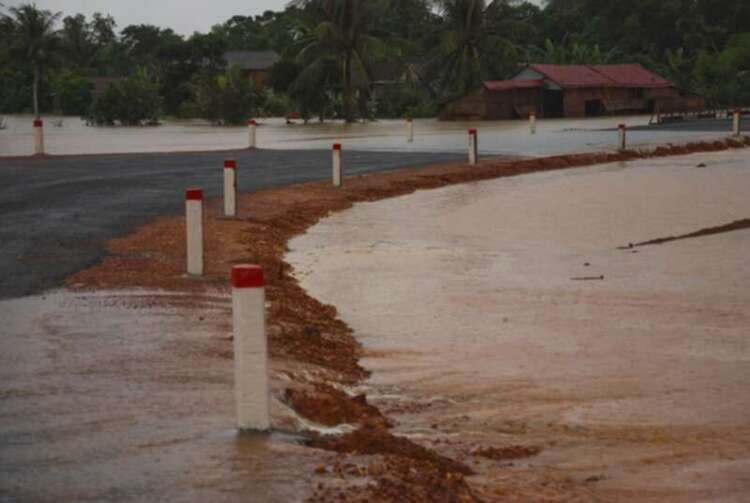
505 314
128 396
554 136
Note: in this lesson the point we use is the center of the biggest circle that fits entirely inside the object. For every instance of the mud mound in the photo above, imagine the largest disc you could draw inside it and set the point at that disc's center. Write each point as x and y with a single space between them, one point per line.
505 453
330 407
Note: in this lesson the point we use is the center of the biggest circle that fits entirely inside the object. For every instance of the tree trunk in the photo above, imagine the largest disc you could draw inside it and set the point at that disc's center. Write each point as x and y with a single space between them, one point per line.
36 91
348 94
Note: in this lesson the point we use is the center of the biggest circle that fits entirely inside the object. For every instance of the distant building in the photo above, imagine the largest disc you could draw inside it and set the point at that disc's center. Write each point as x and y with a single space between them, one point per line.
569 91
255 65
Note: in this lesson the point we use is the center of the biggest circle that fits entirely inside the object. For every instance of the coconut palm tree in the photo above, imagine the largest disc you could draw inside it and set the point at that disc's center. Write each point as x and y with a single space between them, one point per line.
572 54
344 34
35 40
471 44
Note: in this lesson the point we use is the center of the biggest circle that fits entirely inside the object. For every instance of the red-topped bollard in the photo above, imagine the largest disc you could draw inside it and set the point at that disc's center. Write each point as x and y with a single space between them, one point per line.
473 147
38 137
194 231
622 141
252 125
337 165
230 188
409 130
250 348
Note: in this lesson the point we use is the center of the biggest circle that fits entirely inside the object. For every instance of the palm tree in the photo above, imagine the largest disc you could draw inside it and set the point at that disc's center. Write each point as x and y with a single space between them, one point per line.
344 34
35 40
572 54
471 44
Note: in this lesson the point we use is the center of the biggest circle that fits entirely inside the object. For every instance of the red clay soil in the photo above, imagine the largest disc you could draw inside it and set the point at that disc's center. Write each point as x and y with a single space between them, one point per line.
331 407
304 330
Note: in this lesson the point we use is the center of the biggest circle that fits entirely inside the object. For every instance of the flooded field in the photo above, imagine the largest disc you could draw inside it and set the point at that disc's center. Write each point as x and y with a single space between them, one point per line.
128 396
506 137
514 311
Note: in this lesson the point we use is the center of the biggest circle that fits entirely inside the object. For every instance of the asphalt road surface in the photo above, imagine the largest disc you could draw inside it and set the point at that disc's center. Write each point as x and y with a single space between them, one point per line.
707 125
57 214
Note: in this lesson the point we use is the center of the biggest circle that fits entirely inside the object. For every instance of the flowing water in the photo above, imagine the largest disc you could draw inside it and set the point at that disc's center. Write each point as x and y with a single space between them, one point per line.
508 308
500 137
128 396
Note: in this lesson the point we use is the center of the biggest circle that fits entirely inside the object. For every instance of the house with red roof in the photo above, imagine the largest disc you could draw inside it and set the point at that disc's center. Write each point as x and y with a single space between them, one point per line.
566 91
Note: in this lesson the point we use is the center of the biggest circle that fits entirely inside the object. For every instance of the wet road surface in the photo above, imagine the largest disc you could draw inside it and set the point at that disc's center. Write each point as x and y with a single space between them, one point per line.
633 385
57 213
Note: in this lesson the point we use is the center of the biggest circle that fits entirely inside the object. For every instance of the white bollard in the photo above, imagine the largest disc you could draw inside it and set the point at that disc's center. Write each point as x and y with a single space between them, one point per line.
251 128
194 229
38 137
337 165
250 348
736 124
409 130
532 123
230 188
473 147
622 142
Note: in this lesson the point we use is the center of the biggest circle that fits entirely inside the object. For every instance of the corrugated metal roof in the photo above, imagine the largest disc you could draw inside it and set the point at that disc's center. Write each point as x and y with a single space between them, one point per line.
507 85
631 76
252 60
567 76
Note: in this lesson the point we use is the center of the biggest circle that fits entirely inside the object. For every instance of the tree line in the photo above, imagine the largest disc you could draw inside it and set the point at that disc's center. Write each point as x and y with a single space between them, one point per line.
358 59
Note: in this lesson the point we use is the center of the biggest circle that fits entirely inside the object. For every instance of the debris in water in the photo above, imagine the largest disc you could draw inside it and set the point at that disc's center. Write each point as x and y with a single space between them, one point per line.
503 453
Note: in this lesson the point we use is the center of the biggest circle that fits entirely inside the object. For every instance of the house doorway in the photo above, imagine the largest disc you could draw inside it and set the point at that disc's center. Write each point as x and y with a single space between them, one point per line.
552 103
594 108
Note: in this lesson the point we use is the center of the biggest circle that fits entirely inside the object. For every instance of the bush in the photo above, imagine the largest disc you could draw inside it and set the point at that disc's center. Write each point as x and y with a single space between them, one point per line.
404 100
134 101
73 92
226 99
188 110
277 105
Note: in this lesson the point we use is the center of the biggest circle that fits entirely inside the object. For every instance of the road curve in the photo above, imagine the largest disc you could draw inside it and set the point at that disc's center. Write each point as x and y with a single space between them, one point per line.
57 213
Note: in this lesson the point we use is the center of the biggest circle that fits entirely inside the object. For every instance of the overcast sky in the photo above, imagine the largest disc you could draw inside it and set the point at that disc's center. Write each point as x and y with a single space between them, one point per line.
183 16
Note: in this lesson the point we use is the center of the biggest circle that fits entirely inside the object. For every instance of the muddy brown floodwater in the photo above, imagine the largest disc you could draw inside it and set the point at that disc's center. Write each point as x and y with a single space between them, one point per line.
127 396
631 388
554 136
120 388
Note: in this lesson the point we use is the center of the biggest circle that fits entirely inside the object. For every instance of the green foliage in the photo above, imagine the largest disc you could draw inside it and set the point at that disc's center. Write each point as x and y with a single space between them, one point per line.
73 92
405 101
575 53
344 35
226 99
314 89
33 42
276 105
726 77
475 41
342 58
134 101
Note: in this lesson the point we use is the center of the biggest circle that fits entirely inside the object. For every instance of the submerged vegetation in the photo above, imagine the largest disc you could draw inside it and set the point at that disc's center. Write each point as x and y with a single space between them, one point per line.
357 59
